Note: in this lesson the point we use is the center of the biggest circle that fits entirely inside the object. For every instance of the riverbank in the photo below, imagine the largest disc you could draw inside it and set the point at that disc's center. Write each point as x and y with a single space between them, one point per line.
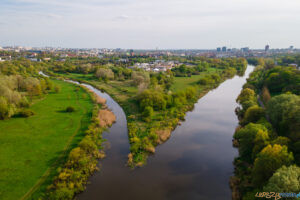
33 148
194 163
268 132
83 159
145 136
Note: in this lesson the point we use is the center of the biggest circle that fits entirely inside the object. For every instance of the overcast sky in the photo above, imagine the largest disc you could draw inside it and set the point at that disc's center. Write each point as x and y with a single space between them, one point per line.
147 24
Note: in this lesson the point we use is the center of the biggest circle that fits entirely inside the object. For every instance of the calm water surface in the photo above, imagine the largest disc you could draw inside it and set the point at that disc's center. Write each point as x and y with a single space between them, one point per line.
194 164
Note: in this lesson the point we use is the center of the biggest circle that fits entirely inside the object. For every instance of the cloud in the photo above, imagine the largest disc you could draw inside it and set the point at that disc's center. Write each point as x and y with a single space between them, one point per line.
144 23
122 17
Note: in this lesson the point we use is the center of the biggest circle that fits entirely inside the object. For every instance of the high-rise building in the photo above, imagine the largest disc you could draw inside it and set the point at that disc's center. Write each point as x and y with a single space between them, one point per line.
267 47
218 49
291 47
224 49
245 49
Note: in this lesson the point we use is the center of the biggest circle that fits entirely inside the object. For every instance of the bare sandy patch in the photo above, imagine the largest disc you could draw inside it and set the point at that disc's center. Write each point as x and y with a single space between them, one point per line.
100 100
106 118
163 135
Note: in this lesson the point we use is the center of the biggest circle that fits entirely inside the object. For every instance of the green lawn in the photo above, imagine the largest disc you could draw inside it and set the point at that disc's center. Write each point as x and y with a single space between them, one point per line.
181 83
32 148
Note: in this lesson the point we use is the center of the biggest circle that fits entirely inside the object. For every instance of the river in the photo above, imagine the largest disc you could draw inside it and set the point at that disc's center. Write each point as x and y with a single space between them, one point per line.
194 164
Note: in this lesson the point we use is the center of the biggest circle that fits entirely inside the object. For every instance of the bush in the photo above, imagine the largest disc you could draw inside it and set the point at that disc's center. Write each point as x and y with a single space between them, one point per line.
253 114
70 109
148 113
26 113
3 108
57 88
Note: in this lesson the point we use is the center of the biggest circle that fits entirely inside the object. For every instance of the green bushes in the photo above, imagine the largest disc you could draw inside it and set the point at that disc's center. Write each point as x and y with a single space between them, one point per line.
147 114
210 79
153 99
70 109
57 89
253 114
26 113
246 99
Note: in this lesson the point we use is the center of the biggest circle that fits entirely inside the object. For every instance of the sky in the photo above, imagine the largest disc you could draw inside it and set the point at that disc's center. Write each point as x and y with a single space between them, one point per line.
150 24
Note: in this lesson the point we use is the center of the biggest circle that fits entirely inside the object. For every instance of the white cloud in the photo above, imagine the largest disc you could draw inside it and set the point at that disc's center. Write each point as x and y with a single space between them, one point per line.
147 24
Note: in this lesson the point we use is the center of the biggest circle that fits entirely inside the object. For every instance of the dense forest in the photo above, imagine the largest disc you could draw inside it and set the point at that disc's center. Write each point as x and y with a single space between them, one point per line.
269 131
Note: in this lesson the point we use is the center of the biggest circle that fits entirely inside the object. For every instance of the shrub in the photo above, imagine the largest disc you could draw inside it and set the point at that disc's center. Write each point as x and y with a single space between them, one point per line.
148 113
3 108
57 89
26 113
24 102
70 109
253 114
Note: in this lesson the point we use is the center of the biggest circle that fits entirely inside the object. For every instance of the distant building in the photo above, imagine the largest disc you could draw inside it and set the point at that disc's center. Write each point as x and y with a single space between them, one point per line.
224 49
293 65
267 47
131 52
219 49
245 49
291 47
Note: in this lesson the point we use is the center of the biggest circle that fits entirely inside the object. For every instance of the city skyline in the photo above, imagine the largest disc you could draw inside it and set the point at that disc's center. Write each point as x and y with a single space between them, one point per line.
132 24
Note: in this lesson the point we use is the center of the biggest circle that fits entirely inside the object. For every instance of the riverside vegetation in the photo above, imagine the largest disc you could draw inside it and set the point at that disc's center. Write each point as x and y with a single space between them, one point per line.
268 138
154 103
43 161
50 134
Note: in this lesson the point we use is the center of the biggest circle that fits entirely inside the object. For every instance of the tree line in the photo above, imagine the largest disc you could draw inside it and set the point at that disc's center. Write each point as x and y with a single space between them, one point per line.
269 132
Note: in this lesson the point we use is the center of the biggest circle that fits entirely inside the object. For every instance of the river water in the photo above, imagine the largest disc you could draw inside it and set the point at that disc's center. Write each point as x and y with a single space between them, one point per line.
194 164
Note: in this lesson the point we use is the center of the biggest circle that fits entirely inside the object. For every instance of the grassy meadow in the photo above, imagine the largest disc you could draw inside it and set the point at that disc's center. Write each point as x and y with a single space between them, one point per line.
181 83
32 148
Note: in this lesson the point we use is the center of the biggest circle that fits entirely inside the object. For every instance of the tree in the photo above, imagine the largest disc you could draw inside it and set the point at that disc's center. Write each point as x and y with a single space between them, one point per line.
261 140
246 99
139 77
70 109
246 137
190 92
265 94
147 114
253 114
268 161
284 113
4 109
57 89
281 141
247 94
285 179
104 73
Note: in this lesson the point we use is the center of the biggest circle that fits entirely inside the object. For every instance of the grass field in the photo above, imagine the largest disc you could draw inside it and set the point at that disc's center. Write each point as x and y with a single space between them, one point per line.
32 148
181 83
